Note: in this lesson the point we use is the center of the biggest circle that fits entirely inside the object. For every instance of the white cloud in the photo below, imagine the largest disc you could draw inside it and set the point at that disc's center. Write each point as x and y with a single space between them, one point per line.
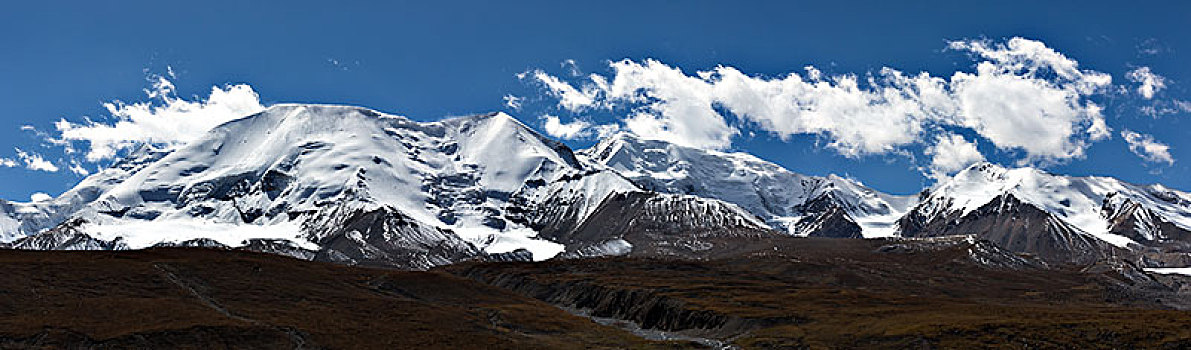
513 102
77 168
572 67
34 161
1161 108
675 106
1147 148
162 88
567 131
9 163
568 96
1021 95
1033 59
606 130
1030 97
1185 106
951 153
1046 120
40 197
167 119
855 120
1148 82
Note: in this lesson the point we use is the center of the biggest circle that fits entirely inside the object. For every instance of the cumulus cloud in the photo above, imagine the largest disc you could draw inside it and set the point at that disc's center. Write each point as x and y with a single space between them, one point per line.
34 161
1147 148
166 119
568 96
1030 97
567 131
951 153
1148 82
40 197
674 106
1021 96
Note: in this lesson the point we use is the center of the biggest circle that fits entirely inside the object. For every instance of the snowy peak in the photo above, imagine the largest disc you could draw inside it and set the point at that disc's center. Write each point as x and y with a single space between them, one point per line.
783 198
353 185
268 173
1090 204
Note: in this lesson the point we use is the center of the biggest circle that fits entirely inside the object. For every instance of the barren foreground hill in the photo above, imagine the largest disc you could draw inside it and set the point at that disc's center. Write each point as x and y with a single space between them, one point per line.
222 299
795 293
846 293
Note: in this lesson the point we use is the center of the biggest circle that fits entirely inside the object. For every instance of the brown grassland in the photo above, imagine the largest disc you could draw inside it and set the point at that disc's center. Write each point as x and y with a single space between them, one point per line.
805 293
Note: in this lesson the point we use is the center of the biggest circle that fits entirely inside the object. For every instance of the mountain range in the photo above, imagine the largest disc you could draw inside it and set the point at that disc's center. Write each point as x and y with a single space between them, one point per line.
356 186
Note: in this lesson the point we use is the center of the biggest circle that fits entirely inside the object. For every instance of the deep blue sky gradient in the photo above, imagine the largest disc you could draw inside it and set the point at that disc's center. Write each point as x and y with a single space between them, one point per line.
432 59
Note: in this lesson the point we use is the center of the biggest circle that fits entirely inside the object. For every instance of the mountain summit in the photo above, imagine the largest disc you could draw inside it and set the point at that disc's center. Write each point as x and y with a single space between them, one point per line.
337 183
357 186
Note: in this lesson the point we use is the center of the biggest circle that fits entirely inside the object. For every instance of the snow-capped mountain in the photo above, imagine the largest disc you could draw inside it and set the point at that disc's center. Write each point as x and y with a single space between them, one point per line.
341 184
799 204
18 220
1028 210
353 185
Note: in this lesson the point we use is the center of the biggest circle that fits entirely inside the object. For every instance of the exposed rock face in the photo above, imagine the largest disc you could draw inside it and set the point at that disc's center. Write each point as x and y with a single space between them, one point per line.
1056 216
654 224
384 236
67 236
1017 226
778 196
194 243
279 247
825 218
520 255
1131 219
980 252
558 207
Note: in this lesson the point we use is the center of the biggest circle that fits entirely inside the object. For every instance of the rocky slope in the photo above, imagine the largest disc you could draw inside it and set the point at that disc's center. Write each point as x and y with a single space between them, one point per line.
790 201
1062 218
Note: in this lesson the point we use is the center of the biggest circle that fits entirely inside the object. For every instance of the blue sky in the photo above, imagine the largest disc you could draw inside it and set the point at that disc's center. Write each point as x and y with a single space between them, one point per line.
433 59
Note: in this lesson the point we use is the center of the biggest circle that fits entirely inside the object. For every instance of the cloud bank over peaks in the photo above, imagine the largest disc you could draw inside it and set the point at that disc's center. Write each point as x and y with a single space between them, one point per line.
1021 96
165 119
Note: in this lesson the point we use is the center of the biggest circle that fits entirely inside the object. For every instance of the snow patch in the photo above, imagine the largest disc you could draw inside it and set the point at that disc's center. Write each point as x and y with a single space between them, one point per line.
1170 270
143 234
509 240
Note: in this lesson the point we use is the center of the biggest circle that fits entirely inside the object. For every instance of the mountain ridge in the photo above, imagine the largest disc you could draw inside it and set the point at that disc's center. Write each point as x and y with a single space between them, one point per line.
485 185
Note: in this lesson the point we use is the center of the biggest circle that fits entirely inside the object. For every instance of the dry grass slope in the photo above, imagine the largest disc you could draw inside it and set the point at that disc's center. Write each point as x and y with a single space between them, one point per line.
811 293
217 299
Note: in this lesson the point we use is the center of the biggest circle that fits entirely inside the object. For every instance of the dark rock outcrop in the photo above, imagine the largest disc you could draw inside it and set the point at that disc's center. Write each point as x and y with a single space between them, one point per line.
664 225
1018 227
383 236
